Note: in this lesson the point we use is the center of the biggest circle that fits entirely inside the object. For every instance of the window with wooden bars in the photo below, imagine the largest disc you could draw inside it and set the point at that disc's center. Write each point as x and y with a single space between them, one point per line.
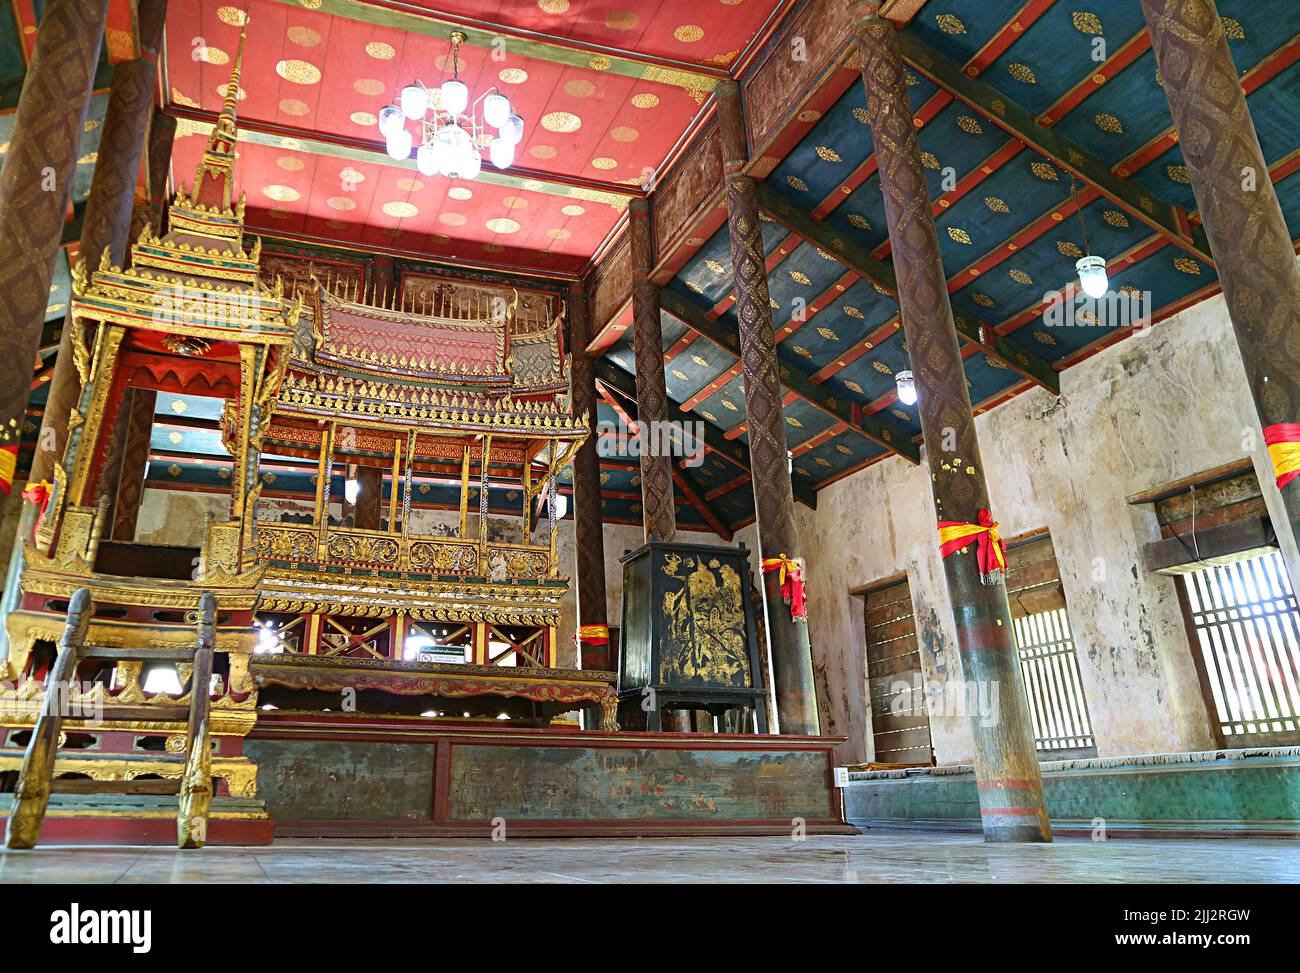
900 725
1049 661
1238 605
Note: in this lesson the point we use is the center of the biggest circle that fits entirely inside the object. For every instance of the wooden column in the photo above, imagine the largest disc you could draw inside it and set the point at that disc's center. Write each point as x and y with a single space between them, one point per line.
792 668
651 393
1006 764
369 505
34 185
588 525
1239 207
107 221
162 135
128 482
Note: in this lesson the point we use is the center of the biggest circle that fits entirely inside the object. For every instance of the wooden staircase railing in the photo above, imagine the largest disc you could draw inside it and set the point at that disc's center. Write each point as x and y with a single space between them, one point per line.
36 779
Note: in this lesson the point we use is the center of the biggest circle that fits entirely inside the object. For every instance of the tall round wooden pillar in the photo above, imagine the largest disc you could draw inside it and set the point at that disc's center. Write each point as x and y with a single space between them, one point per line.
1006 763
792 667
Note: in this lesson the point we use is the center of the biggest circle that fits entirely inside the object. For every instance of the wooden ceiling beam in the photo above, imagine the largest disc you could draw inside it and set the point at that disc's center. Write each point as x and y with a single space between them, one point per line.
1167 219
885 433
859 260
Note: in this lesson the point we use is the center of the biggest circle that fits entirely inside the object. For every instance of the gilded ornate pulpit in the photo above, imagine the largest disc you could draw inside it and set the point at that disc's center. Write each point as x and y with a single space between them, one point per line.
689 638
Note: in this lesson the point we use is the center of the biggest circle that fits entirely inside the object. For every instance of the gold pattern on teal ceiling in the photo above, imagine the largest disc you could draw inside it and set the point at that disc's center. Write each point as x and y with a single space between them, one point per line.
797 183
828 334
799 277
1019 276
1023 73
1044 171
1068 249
1086 23
827 154
929 160
969 124
959 235
1042 337
1116 219
996 205
859 221
851 311
1109 123
983 300
1187 265
949 24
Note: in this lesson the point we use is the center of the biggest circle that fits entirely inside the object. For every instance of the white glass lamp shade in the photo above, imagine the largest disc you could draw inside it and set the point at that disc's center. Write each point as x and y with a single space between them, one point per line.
1092 276
473 164
414 101
496 109
426 159
906 386
391 120
512 129
455 96
502 153
399 145
351 490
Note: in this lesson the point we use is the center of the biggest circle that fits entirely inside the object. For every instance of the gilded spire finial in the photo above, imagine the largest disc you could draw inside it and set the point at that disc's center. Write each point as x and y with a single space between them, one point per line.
230 103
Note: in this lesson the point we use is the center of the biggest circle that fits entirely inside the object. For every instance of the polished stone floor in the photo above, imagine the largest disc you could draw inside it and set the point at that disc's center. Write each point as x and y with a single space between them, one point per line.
873 857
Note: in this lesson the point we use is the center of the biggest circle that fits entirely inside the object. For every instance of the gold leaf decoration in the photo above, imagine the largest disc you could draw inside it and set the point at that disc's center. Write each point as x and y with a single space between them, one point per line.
699 360
900 415
949 24
861 115
562 122
679 375
791 420
958 234
1109 123
645 100
1232 29
1044 171
281 194
716 267
1022 73
1068 249
983 300
689 33
772 303
796 183
827 154
502 225
695 287
799 277
1116 219
859 221
1043 338
853 387
929 160
996 205
728 404
882 368
801 351
851 311
969 125
299 72
821 461
1187 265
512 75
1179 174
400 209
828 334
1086 23
553 6
1019 276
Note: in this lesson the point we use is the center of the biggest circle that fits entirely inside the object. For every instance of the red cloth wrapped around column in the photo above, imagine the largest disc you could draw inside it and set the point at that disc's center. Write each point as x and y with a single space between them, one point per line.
791 581
990 551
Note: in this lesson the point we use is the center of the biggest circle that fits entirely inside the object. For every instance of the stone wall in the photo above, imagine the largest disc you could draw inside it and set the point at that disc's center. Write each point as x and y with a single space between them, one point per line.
1166 403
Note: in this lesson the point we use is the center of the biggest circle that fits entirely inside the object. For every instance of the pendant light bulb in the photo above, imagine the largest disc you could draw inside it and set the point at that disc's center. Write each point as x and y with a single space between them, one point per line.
496 109
391 119
906 386
415 101
1092 276
455 96
399 145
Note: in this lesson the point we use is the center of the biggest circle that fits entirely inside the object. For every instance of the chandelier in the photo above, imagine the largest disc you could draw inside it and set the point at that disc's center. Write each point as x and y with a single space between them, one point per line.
453 132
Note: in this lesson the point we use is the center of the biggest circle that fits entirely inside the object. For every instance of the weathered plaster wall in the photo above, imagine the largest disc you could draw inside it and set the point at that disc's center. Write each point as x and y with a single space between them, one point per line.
179 518
1164 404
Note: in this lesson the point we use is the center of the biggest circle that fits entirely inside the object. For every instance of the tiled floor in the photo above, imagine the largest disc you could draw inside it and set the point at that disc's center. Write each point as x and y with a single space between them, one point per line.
873 857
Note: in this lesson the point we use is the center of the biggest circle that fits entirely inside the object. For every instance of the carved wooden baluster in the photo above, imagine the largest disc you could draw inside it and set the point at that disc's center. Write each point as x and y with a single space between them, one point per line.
196 785
32 794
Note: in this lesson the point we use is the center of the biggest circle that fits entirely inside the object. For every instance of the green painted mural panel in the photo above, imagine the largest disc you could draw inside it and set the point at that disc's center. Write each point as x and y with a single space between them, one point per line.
580 783
315 780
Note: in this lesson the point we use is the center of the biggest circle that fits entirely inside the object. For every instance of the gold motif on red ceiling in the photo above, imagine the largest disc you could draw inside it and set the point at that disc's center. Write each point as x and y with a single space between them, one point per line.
573 209
559 233
1187 265
543 152
1179 174
958 234
281 194
368 86
949 24
1068 249
121 45
363 118
561 122
827 154
722 60
340 202
512 76
233 16
451 219
298 72
996 205
623 133
1116 219
645 100
289 163
1086 23
1109 123
400 209
796 183
553 7
502 225
1044 171
303 36
622 20
604 163
211 55
409 184
600 63
514 202
969 125
689 33
294 106
459 192
278 214
381 51
579 88
1022 73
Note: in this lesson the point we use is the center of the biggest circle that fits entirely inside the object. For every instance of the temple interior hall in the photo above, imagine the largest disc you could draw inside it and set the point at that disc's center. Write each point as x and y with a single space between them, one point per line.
624 442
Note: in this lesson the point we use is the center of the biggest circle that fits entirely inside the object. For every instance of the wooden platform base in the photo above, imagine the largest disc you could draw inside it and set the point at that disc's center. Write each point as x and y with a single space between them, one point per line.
100 819
363 776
